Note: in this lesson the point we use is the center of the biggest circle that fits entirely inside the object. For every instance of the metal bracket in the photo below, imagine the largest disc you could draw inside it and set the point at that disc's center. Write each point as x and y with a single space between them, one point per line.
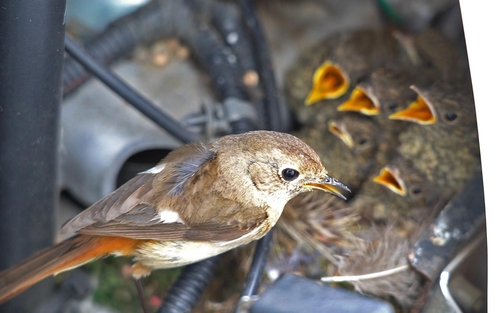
215 119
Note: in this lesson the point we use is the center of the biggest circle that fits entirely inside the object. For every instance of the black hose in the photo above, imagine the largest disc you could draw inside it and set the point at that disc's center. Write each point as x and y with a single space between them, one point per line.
274 118
257 267
188 288
145 25
161 19
226 18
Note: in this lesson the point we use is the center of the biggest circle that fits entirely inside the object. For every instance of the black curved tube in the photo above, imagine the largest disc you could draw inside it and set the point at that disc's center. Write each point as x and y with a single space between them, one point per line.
129 94
145 25
189 286
265 67
254 276
226 18
161 19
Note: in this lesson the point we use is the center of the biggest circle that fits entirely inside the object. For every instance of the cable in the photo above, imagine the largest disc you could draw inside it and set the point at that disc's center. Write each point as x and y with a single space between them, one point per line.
128 93
258 263
265 67
189 286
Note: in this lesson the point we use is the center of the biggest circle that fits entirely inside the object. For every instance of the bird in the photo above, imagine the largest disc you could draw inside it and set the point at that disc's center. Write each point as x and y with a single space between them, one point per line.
352 147
199 201
442 139
383 92
373 231
397 193
324 75
398 204
386 90
348 146
386 252
438 57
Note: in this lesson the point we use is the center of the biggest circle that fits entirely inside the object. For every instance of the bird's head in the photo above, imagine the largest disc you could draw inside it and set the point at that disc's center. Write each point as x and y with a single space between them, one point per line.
276 166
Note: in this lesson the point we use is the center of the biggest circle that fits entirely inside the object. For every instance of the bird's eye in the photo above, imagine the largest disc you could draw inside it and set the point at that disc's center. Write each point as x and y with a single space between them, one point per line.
362 141
393 106
450 116
289 174
416 190
429 64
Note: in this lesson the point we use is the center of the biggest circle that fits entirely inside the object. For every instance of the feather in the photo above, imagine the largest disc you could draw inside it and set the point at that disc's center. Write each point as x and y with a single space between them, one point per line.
180 166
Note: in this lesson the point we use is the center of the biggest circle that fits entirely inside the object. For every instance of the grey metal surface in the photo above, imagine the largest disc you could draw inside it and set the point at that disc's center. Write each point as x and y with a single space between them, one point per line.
292 293
100 132
461 219
460 288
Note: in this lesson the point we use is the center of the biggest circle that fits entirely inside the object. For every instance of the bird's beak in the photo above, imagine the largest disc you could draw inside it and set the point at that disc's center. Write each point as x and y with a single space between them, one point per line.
329 82
340 131
419 111
330 185
390 178
361 101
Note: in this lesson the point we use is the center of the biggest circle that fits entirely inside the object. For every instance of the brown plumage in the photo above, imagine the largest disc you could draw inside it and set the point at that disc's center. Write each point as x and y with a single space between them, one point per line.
442 139
385 250
350 146
324 75
439 58
200 201
373 232
382 93
397 192
401 203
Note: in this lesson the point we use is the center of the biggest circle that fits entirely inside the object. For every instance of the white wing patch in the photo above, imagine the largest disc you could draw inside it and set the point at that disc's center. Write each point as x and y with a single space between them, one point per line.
154 170
168 217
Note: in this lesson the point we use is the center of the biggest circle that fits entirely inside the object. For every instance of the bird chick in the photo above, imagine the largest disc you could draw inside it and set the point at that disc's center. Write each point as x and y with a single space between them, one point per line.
200 201
348 146
325 74
439 58
397 193
442 139
382 93
384 252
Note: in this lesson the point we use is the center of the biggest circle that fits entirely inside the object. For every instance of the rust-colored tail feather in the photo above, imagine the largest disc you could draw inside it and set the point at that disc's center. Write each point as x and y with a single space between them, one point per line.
63 256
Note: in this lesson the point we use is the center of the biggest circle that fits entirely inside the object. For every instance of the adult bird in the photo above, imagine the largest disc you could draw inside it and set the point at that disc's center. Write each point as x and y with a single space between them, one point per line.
200 201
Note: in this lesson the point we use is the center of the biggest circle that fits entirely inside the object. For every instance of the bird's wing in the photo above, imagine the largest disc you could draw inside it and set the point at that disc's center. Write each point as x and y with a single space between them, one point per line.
143 222
172 175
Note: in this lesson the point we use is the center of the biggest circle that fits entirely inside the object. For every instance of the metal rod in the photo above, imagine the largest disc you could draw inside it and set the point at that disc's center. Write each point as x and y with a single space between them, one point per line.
129 94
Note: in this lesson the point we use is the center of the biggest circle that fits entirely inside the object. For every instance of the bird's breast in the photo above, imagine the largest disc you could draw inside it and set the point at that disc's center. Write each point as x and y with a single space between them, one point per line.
168 254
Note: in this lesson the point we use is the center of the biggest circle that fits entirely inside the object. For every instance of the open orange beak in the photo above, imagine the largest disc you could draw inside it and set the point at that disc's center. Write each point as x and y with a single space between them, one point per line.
340 131
329 82
361 101
330 185
420 111
390 178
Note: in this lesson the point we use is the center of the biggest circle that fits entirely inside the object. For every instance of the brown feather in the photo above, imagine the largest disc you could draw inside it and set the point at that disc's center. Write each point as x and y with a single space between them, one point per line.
43 264
109 207
180 165
172 231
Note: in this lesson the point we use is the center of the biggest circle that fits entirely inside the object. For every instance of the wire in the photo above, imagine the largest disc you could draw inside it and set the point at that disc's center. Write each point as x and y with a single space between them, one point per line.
265 67
129 94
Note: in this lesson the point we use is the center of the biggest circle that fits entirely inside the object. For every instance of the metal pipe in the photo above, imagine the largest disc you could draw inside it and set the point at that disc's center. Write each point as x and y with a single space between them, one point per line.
31 59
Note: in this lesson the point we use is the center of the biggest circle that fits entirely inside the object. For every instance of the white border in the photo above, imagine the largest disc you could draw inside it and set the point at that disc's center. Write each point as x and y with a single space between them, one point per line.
481 27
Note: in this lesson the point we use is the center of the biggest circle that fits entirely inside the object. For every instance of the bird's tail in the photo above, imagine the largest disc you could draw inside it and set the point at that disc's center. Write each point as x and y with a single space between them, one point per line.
64 256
